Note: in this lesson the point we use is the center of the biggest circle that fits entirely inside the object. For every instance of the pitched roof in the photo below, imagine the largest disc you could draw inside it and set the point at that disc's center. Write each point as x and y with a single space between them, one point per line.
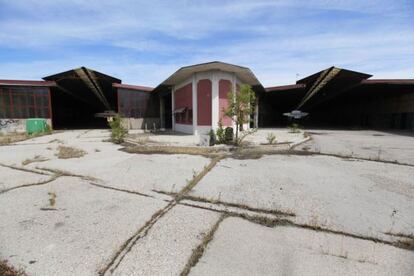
243 73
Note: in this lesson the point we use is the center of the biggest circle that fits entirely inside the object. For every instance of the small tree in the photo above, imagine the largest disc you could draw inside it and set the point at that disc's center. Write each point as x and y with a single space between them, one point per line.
118 132
241 107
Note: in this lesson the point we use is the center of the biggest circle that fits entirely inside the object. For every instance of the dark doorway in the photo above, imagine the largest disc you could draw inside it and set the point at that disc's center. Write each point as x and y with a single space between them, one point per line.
168 111
72 113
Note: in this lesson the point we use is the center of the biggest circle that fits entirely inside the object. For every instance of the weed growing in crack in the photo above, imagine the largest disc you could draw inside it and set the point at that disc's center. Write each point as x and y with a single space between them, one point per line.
199 250
37 158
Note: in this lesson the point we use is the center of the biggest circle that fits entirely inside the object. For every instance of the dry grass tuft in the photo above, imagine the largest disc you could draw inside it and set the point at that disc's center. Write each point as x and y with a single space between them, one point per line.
204 151
52 199
69 152
37 158
8 270
12 137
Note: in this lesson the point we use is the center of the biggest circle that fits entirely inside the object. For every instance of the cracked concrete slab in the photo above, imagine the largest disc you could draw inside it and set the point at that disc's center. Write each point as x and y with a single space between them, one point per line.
15 155
78 235
360 197
168 245
87 226
135 172
240 247
11 178
367 144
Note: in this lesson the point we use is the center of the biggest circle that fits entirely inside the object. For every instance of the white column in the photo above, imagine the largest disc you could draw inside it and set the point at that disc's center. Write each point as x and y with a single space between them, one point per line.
195 132
173 107
256 114
234 87
214 100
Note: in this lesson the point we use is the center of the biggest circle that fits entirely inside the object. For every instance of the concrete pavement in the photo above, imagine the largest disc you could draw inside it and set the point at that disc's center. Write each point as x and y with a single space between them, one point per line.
111 212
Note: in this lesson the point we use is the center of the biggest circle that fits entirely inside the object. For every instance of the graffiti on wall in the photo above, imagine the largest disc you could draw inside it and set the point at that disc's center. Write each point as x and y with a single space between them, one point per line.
11 125
5 122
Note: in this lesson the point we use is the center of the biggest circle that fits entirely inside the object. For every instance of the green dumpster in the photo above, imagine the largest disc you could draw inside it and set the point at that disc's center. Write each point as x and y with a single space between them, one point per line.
35 125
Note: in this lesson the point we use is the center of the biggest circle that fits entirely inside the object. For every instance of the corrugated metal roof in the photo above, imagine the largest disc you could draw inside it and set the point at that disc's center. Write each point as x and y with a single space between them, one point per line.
27 83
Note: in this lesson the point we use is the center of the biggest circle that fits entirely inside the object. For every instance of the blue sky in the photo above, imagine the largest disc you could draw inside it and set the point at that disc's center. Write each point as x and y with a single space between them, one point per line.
143 42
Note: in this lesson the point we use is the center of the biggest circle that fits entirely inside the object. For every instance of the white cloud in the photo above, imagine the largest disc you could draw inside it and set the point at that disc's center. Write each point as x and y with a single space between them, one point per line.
276 39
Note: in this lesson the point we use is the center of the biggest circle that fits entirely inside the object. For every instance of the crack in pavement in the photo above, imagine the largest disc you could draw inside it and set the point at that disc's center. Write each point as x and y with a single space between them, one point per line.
119 190
344 156
229 204
406 243
23 169
55 174
198 252
143 231
130 243
53 178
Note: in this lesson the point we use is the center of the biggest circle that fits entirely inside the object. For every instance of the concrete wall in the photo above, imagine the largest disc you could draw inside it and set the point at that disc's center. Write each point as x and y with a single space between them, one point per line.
16 125
139 109
141 123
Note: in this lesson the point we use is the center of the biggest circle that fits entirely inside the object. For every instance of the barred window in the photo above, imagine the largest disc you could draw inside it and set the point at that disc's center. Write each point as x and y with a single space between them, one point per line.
133 104
24 102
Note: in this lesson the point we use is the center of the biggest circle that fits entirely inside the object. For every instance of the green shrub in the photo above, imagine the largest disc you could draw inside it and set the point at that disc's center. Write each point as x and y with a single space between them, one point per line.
228 135
118 132
294 128
271 138
221 139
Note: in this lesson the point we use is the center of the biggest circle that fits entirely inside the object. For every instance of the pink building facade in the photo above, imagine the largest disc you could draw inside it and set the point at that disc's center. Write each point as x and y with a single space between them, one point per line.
199 101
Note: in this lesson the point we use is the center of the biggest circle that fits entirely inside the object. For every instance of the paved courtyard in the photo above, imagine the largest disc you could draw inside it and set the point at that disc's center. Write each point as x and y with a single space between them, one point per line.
343 205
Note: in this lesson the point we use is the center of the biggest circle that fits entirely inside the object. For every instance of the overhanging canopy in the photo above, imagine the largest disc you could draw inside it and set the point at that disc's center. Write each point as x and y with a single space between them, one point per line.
87 85
329 83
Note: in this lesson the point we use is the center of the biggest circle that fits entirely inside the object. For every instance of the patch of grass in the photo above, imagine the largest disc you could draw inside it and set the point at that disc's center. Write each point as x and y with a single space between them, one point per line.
8 270
37 158
69 152
13 137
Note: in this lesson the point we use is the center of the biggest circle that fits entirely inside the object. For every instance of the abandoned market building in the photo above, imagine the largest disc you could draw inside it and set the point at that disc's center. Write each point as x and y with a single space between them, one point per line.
192 99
